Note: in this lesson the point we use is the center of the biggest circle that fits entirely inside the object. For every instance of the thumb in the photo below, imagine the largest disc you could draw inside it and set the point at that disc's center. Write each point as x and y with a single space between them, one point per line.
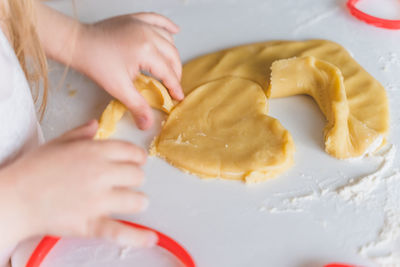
85 131
124 235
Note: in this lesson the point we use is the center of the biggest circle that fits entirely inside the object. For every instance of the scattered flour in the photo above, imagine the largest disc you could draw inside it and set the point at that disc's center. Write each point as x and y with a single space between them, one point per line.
389 233
389 60
385 249
180 141
392 87
359 189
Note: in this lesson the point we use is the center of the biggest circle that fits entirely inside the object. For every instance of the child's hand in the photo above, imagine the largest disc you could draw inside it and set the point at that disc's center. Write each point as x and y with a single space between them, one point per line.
113 51
70 187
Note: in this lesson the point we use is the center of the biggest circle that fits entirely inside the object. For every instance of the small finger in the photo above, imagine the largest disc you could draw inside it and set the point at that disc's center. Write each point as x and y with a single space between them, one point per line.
124 175
123 200
163 71
121 151
170 52
123 235
88 130
165 34
158 20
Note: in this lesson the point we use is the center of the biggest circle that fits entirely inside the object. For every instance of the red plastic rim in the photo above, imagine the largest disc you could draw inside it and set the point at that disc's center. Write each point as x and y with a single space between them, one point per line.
48 242
338 265
378 22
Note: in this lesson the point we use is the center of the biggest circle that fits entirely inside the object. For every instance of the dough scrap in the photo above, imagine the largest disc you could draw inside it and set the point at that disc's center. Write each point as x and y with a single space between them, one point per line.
366 98
109 118
222 130
345 135
152 90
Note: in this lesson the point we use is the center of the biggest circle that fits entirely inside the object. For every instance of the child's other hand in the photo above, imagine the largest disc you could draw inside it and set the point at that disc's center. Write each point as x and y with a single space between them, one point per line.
113 51
71 186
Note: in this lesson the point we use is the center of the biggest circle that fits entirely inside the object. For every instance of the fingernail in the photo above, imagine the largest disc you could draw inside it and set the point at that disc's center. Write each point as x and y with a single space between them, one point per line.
181 96
142 121
152 240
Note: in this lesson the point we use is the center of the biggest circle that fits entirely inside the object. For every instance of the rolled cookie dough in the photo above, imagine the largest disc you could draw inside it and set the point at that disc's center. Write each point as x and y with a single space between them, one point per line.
367 104
222 130
345 135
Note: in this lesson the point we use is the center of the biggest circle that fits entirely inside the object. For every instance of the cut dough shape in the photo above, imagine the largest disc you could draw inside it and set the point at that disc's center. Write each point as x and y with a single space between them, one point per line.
222 130
108 120
152 90
345 135
366 97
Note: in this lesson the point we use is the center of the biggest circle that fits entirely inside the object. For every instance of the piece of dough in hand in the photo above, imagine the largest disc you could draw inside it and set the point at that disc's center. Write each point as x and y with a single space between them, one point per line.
108 120
152 90
222 129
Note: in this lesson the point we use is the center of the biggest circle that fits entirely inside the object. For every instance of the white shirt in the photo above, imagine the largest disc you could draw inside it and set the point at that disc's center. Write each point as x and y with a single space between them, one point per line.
20 130
19 127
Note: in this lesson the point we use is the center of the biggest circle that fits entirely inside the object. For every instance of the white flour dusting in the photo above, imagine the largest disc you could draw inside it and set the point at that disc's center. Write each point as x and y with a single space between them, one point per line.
392 87
385 249
389 233
359 189
388 61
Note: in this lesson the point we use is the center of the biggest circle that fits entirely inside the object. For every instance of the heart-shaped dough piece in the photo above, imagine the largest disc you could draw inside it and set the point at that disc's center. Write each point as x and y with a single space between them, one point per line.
222 130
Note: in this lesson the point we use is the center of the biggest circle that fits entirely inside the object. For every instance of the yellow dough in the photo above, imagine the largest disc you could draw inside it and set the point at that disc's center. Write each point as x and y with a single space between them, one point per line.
222 130
108 120
152 90
345 135
352 131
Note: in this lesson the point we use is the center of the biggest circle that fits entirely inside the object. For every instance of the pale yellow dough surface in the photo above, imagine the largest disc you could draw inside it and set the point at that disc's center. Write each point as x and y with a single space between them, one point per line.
334 79
222 130
152 90
108 120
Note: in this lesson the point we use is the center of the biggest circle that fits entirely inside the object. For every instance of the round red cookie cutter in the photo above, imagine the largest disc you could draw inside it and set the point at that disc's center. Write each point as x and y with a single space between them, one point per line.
48 242
339 265
378 22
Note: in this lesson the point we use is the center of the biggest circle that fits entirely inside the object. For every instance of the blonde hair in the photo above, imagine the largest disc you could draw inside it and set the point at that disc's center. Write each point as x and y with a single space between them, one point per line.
20 25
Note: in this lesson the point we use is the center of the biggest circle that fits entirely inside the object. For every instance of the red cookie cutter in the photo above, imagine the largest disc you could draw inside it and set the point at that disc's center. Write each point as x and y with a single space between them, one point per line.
339 265
48 242
378 22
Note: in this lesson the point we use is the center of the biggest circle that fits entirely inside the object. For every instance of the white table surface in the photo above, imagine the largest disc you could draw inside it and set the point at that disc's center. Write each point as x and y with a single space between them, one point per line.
222 223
